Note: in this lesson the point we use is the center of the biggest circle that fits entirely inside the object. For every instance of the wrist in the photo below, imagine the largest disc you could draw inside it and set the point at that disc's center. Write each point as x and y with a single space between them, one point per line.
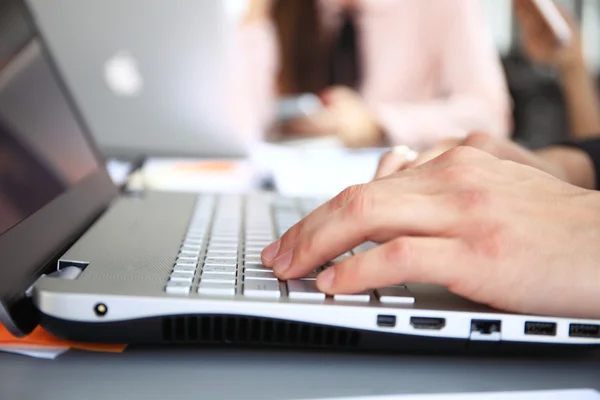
572 65
570 164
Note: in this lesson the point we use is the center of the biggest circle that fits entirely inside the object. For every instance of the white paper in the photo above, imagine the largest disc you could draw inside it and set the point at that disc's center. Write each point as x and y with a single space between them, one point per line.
167 174
118 171
579 394
43 353
316 172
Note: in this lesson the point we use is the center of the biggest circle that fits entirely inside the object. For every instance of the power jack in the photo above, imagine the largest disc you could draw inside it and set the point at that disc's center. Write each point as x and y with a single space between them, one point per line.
100 309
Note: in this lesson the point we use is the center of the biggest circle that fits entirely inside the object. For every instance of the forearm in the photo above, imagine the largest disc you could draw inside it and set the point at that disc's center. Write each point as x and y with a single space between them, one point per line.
583 105
424 125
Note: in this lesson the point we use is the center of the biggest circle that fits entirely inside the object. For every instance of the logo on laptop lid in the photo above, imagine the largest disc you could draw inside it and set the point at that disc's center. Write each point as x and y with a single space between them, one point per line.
122 75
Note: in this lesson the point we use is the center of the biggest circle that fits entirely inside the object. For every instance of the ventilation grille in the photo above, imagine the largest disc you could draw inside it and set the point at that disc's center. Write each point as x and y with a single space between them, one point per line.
261 331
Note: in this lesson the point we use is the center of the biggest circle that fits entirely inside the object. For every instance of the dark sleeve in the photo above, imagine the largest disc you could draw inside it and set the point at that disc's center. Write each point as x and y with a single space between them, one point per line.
592 148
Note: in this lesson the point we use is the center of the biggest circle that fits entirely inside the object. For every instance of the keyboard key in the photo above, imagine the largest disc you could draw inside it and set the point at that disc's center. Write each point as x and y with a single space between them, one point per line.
187 260
216 262
221 249
249 274
189 253
258 243
177 276
219 269
341 258
262 289
192 243
212 254
304 290
224 239
252 259
256 267
395 295
254 249
357 298
178 288
216 289
218 278
191 248
311 276
185 270
259 238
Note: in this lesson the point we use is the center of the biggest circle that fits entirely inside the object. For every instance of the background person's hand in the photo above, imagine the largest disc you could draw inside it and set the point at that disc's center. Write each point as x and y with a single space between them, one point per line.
496 232
344 115
539 41
258 10
569 164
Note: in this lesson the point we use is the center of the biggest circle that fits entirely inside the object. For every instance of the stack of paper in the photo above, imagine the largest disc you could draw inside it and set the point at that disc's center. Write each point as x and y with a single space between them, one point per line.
189 175
41 344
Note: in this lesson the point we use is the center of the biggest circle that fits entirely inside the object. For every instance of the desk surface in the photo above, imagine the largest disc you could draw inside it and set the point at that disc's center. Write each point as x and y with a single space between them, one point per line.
247 374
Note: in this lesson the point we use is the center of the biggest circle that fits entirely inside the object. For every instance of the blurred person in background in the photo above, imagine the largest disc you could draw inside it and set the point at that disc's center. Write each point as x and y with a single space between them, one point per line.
409 72
541 46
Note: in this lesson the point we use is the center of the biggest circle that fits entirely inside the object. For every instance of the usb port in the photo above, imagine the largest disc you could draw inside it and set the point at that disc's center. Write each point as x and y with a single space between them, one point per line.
584 331
540 328
386 321
427 323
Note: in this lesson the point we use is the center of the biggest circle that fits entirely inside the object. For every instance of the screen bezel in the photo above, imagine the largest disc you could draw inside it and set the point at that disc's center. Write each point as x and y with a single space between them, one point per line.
36 241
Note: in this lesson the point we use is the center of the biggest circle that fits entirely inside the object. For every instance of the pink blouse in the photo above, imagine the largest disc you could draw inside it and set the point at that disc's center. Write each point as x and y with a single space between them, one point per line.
431 69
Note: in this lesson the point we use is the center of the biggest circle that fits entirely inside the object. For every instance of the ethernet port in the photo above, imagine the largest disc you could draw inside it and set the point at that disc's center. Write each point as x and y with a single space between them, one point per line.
486 330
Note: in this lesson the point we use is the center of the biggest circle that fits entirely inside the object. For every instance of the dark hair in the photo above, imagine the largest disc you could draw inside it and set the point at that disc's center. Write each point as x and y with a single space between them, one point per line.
308 62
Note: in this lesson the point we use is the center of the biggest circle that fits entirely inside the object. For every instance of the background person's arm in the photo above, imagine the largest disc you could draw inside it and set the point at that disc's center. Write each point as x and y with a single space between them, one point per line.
583 105
541 46
470 75
259 59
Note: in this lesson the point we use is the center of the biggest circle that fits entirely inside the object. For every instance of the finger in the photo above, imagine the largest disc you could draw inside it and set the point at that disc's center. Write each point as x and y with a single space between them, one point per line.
362 221
390 162
290 237
437 261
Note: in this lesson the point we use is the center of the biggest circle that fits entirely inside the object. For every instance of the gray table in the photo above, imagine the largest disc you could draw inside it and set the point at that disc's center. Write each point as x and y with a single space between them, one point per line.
240 374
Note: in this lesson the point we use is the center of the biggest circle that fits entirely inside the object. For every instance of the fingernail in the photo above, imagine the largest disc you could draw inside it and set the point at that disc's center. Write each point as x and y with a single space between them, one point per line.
283 263
325 279
269 253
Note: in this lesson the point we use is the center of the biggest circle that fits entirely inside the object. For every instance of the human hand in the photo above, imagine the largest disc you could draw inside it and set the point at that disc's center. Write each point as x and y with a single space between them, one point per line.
500 148
496 232
344 115
258 10
355 125
540 42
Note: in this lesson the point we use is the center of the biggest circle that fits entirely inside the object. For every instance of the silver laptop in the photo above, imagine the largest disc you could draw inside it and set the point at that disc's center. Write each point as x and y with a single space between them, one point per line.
178 268
151 77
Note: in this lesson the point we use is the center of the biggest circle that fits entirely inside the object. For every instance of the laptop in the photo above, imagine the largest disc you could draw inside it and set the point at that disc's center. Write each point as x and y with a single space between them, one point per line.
169 268
152 78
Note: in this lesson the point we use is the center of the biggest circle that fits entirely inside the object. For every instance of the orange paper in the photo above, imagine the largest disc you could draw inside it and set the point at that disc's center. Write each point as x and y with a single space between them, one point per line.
39 338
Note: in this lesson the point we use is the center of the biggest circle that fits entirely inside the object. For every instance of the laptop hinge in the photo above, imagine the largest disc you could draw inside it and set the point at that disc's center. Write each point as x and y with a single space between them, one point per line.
22 317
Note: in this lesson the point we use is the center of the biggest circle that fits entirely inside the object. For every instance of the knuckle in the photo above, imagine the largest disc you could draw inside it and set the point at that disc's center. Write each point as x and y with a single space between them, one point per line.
360 206
347 195
398 252
460 173
470 198
490 241
478 140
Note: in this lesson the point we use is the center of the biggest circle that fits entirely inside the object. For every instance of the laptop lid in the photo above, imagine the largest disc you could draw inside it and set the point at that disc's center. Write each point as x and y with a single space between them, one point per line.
152 77
52 180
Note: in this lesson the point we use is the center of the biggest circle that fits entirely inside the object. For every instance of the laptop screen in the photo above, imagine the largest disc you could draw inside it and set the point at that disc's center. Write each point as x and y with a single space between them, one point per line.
43 152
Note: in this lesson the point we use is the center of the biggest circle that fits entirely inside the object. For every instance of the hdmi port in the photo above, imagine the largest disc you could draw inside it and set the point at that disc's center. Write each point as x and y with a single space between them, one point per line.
427 323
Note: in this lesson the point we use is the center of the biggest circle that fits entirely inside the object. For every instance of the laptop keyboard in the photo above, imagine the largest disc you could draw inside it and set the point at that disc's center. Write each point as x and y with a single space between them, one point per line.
220 254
